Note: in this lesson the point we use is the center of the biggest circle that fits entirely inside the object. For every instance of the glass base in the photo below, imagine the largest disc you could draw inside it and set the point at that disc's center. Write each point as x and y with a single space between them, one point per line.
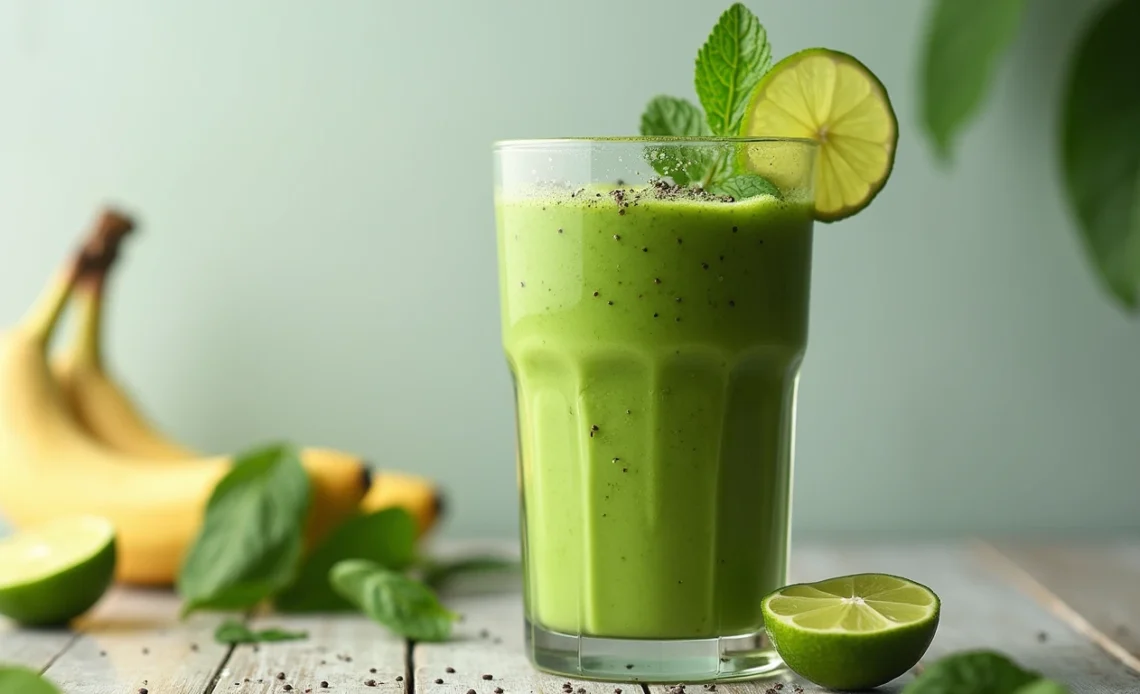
727 658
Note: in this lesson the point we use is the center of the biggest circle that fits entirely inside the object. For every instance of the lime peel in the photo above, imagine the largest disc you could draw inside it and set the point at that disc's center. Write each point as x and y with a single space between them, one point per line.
56 571
834 99
837 634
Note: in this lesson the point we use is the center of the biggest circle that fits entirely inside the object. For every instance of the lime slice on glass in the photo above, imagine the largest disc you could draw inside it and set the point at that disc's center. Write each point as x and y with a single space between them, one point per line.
835 100
852 632
56 571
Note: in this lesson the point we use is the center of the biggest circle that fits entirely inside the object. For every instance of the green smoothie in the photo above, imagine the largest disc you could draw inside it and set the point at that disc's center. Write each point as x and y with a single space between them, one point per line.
655 341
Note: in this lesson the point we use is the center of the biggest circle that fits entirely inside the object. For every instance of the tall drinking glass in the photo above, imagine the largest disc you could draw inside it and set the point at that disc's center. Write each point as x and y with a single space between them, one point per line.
655 334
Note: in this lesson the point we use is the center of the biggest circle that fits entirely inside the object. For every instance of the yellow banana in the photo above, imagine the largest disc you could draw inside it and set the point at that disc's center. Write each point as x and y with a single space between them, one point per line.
50 466
109 414
418 495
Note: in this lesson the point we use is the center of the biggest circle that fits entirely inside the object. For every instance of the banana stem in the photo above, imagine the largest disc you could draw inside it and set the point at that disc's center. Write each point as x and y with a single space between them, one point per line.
43 315
89 263
87 347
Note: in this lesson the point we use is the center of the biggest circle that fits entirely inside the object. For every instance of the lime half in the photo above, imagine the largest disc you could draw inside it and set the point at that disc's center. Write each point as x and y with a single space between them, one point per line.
852 632
56 571
835 100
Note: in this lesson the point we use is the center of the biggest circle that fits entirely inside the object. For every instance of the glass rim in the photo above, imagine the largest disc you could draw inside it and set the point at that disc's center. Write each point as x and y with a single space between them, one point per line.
551 142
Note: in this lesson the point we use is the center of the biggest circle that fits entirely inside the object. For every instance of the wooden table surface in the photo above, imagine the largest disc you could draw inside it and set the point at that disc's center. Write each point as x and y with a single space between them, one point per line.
1071 612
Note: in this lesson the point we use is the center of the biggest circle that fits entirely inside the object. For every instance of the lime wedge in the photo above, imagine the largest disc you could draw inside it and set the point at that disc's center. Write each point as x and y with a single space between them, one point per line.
852 632
835 100
56 571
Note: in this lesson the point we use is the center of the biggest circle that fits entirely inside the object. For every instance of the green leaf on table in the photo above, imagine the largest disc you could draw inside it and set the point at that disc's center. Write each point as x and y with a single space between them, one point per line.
972 672
404 605
729 65
386 537
744 186
438 573
1043 686
1100 149
19 680
232 632
250 542
668 116
964 40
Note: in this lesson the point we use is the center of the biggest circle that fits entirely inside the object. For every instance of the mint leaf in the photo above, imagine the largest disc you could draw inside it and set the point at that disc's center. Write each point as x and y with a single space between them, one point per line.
250 541
386 537
232 632
745 186
404 605
729 65
24 681
964 40
1100 153
437 573
667 116
971 672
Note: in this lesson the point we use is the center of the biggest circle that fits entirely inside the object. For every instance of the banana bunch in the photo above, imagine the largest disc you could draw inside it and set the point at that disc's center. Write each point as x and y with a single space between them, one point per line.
72 441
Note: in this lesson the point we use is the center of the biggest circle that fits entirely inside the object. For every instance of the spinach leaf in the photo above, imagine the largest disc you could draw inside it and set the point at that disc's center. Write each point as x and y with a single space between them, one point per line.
404 605
250 542
386 537
232 631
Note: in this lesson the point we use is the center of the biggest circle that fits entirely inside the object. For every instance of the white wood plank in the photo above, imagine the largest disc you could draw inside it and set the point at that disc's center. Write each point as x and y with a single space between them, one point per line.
32 648
342 650
490 640
134 639
981 608
1095 588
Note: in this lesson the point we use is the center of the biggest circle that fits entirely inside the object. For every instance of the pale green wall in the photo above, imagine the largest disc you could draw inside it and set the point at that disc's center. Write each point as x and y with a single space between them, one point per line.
317 259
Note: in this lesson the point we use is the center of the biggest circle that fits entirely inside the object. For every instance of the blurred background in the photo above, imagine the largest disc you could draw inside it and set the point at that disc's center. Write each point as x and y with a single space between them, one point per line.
316 255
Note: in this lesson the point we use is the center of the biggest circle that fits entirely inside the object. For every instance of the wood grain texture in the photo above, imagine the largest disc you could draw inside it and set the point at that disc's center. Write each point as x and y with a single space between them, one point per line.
341 650
134 639
1037 604
981 608
32 648
489 641
1095 588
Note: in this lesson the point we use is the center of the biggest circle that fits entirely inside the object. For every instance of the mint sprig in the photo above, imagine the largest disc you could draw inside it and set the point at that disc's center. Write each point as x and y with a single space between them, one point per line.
744 186
668 116
729 66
